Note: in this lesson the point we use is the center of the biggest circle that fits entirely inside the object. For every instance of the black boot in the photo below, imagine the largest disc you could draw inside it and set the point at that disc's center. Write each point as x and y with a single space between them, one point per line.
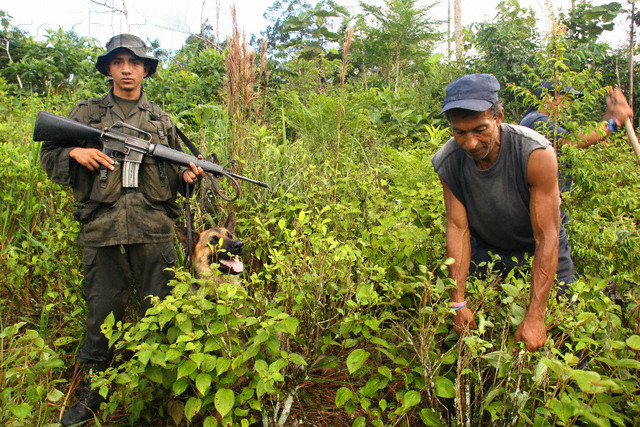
84 408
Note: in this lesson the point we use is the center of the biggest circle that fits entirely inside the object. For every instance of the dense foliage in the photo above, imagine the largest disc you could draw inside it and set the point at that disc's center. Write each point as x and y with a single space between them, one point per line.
342 315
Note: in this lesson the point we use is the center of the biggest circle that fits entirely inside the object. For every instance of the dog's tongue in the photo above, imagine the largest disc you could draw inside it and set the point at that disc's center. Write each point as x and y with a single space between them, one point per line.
234 264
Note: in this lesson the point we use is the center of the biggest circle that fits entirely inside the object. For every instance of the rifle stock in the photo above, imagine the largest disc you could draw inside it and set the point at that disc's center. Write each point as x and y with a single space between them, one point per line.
51 127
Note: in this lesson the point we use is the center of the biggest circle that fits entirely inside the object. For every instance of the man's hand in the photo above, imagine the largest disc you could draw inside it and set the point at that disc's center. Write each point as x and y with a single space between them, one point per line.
463 320
533 332
91 158
193 175
617 106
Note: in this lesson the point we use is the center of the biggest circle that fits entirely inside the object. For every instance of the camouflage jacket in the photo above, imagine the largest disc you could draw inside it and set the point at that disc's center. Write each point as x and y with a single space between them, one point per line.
110 215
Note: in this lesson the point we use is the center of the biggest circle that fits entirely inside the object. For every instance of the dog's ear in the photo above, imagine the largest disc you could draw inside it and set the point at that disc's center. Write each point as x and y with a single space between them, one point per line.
181 232
213 157
230 223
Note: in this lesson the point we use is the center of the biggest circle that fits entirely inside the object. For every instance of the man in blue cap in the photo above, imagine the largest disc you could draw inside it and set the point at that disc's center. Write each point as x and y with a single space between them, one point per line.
556 95
500 184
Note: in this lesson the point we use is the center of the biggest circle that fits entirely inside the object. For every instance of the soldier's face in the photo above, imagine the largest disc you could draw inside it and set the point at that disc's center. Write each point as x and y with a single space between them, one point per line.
127 71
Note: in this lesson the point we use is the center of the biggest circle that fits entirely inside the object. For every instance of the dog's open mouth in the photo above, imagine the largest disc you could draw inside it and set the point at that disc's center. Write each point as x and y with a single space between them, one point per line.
234 264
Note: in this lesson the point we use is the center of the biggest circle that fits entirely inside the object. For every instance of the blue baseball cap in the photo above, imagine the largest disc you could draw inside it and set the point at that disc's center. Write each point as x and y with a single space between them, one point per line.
560 88
475 92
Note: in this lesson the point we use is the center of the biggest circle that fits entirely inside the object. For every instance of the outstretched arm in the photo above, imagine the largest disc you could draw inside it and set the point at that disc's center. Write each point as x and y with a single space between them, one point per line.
542 174
617 108
458 248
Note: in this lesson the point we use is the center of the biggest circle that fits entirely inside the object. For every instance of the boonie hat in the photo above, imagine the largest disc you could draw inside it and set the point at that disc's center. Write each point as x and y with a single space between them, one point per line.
475 92
131 43
560 88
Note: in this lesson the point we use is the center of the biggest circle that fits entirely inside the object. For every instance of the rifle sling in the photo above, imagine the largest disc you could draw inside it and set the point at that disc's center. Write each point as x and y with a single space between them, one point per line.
188 143
189 225
187 196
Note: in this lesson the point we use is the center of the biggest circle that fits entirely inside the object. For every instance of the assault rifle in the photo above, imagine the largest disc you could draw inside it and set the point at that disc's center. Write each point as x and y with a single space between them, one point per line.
127 149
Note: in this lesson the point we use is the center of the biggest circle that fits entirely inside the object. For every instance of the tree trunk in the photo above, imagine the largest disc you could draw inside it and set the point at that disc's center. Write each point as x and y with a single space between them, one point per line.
633 12
449 30
7 48
397 64
457 20
364 64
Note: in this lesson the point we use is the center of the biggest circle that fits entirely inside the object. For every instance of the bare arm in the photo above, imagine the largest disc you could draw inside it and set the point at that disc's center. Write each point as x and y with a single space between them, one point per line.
458 248
618 108
542 173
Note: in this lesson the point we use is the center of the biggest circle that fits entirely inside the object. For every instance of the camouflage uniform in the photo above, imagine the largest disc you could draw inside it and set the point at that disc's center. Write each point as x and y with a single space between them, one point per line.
125 232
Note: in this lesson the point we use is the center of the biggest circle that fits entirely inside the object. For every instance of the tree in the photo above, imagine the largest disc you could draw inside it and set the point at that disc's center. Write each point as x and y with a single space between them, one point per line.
401 35
11 39
309 32
457 29
279 13
586 22
505 44
52 65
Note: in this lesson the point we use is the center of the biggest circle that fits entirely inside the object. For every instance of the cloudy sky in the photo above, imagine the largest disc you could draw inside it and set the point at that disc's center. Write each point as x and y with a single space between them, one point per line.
172 20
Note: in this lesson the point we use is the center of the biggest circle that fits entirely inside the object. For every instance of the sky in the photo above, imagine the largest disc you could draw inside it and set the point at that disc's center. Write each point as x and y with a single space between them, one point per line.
171 21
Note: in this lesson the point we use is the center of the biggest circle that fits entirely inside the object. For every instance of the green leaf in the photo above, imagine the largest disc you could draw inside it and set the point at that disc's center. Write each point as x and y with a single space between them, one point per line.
510 290
343 395
375 383
143 356
154 373
186 368
172 354
634 342
588 381
20 411
563 410
429 418
197 358
356 359
203 383
55 395
179 386
290 325
359 422
192 407
222 365
445 388
385 372
628 364
224 400
411 399
261 367
297 359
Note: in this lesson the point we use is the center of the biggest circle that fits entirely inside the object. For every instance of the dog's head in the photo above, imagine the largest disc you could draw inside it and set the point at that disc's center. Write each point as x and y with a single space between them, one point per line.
215 245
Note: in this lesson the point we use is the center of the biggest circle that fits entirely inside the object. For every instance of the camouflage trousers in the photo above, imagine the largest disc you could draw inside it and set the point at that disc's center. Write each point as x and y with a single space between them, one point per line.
109 275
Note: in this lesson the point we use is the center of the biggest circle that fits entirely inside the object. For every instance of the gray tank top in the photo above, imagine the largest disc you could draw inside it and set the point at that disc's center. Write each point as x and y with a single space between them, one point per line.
496 199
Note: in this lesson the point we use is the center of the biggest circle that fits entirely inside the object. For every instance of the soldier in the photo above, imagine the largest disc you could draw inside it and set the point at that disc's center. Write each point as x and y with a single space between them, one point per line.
126 232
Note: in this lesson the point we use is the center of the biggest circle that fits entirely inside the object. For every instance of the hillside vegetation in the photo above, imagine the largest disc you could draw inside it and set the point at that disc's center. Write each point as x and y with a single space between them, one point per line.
342 314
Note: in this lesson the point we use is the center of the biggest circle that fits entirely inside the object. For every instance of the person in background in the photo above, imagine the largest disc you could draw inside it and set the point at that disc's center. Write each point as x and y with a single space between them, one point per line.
126 232
500 187
554 96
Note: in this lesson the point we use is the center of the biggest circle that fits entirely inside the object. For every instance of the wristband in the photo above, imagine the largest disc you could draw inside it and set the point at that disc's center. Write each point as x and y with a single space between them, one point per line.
459 305
613 124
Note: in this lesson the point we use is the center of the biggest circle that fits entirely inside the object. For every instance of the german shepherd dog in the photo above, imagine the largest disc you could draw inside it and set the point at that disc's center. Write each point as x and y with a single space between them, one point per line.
215 245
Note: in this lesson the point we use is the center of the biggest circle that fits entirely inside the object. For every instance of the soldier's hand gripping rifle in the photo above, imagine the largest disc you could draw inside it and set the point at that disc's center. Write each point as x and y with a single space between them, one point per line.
127 149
